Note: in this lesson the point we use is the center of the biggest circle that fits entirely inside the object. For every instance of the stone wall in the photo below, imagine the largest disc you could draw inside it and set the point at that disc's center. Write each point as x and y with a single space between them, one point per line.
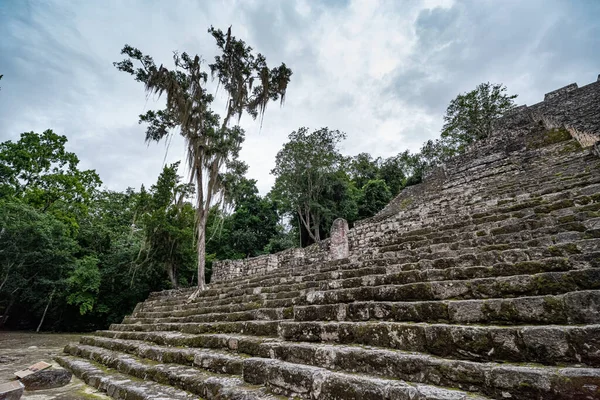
296 258
573 108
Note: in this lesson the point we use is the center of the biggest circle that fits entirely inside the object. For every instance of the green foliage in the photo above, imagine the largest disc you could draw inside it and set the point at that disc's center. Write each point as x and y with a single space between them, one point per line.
36 258
84 284
470 115
168 221
304 170
375 195
38 170
363 168
247 231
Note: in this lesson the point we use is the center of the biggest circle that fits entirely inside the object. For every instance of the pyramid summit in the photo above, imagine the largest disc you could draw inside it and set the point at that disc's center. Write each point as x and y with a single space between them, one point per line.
482 282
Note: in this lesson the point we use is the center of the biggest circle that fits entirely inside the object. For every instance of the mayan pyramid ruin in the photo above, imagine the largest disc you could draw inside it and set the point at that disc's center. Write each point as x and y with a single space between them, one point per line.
482 282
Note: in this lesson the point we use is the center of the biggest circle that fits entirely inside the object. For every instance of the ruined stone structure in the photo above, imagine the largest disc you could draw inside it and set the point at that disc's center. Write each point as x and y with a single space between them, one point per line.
483 282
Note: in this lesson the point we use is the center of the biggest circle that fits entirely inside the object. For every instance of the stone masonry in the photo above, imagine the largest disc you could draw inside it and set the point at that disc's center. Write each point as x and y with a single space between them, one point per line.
482 282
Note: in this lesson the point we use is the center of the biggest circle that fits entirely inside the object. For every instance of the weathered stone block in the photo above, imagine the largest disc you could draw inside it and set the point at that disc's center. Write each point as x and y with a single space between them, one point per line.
11 390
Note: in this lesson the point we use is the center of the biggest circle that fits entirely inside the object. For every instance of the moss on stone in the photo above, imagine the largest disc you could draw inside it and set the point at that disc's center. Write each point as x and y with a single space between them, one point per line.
504 230
288 312
559 205
404 204
552 304
554 251
567 218
571 147
556 135
499 247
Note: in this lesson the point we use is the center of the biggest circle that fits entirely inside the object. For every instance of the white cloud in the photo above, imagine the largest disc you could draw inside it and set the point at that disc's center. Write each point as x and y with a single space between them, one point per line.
382 71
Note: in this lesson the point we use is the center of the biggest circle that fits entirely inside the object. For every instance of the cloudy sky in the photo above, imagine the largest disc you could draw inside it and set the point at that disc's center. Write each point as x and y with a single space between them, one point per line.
382 71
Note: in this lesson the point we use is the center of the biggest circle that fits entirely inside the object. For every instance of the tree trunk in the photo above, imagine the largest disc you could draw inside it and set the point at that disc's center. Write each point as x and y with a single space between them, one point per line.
306 223
201 251
172 275
4 318
45 310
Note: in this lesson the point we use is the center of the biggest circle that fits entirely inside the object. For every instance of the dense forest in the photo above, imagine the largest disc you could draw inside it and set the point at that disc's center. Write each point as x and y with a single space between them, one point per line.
75 256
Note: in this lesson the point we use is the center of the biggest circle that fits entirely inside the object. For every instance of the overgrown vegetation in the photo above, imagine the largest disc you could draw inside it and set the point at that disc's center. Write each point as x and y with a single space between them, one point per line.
74 257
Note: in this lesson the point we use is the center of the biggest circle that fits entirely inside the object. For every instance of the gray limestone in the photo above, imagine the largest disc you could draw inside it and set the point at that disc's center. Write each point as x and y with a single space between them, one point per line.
338 245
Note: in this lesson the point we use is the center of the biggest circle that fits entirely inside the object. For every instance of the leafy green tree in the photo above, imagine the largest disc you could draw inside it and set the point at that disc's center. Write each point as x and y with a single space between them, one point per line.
393 173
168 221
36 259
250 86
339 199
470 115
84 284
363 168
375 195
285 238
114 232
253 223
248 229
38 170
303 170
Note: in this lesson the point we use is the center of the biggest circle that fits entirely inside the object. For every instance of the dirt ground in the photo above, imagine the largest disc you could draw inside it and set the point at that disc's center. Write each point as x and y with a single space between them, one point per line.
19 350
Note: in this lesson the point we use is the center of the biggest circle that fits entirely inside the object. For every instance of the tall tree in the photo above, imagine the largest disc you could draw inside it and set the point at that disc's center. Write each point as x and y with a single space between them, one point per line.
303 169
40 171
374 196
249 85
168 221
470 115
253 222
364 168
36 257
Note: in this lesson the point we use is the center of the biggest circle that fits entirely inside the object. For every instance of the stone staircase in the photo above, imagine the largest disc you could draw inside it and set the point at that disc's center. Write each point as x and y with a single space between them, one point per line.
481 283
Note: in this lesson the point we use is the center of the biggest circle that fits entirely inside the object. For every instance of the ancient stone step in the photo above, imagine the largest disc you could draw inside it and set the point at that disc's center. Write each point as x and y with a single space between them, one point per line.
581 307
485 195
507 286
569 282
502 248
198 310
258 328
464 222
120 386
347 279
574 238
190 379
189 313
550 344
484 240
211 360
460 262
491 379
253 298
266 314
307 382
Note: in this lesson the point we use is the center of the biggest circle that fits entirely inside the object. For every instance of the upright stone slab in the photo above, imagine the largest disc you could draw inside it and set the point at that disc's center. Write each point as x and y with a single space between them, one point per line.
338 248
